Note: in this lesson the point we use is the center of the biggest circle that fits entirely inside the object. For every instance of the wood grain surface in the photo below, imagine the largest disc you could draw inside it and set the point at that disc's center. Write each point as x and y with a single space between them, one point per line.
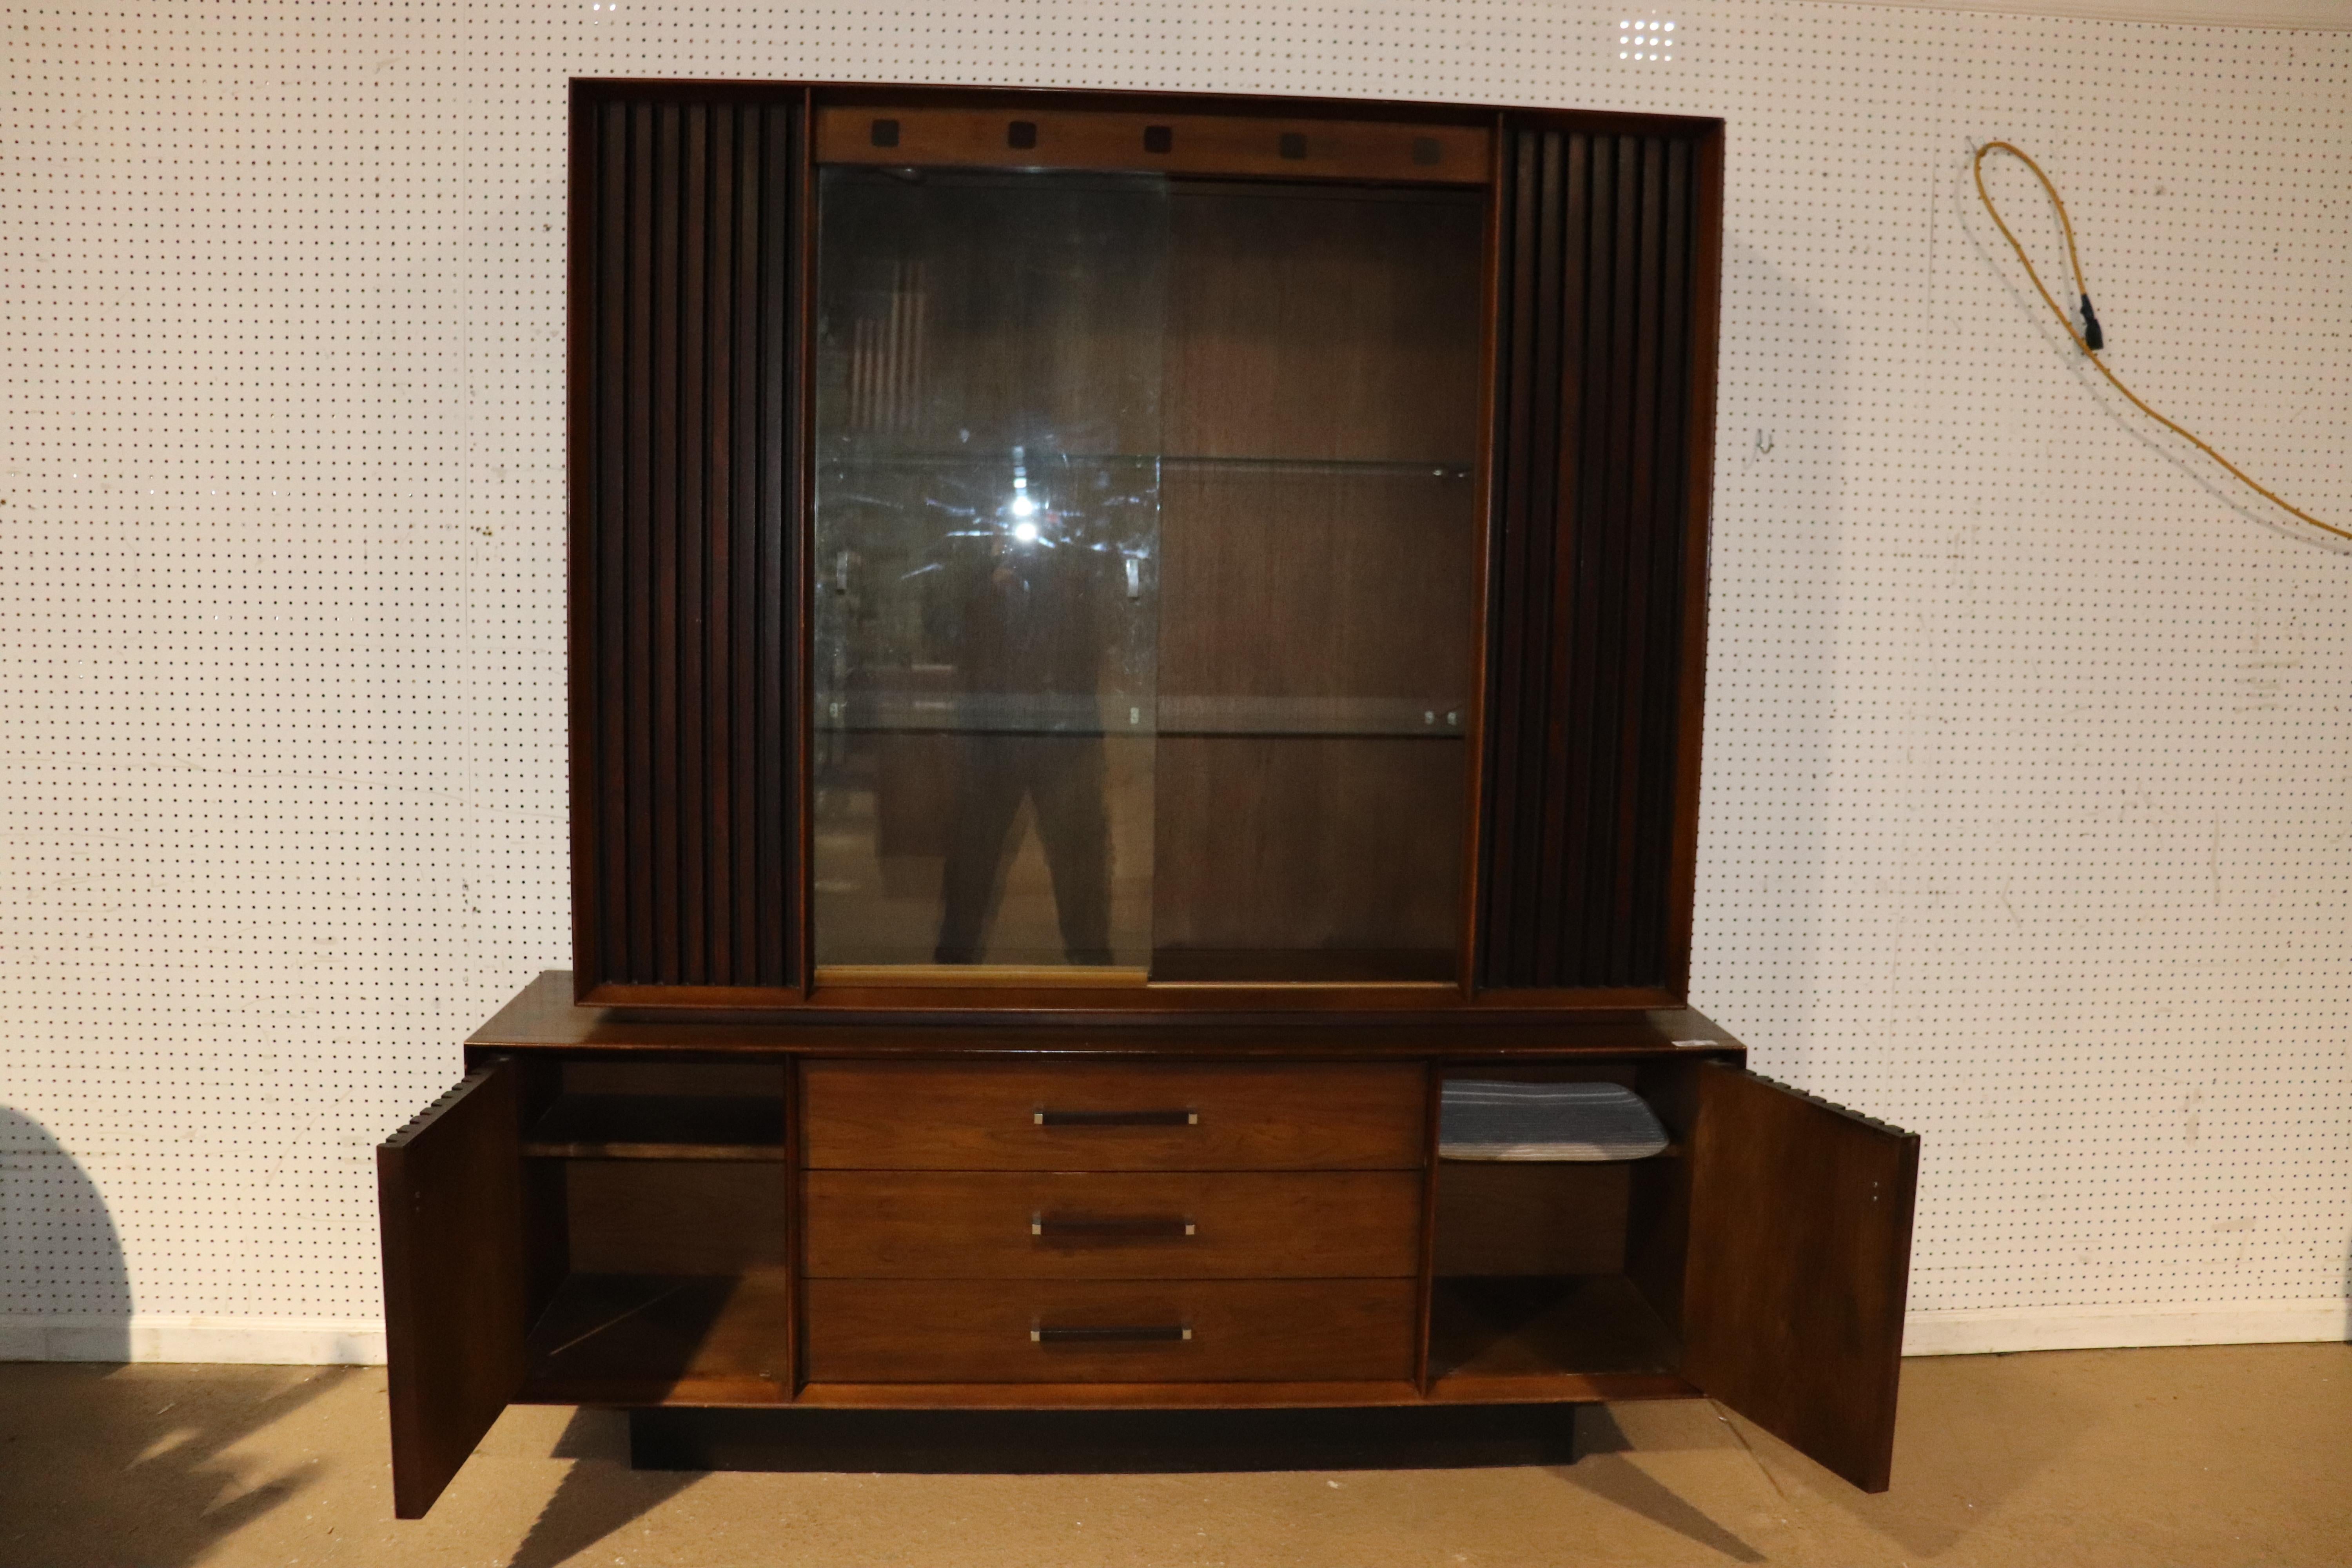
864 1331
1799 1258
951 1225
684 450
982 1116
1602 449
449 1199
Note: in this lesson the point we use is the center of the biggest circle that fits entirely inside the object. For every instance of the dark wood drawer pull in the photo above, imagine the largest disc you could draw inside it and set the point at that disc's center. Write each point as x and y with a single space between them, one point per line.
1110 1333
1120 1227
1116 1117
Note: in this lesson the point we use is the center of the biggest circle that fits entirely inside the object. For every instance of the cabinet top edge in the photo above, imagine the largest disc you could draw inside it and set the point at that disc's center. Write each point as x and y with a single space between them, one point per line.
588 89
542 1015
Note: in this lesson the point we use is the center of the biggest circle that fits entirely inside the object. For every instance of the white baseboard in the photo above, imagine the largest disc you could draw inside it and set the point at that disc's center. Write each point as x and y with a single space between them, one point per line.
1997 1329
147 1336
311 1341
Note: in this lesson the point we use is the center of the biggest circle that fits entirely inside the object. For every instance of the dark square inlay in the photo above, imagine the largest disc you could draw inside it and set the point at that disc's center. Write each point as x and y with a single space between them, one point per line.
884 133
1021 133
1158 139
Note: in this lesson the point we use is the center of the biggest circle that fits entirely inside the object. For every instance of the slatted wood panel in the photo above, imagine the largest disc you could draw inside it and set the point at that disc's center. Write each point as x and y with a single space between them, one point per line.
685 441
1601 441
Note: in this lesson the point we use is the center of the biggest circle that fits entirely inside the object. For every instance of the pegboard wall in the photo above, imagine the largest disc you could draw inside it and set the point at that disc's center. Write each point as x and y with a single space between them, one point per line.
2026 811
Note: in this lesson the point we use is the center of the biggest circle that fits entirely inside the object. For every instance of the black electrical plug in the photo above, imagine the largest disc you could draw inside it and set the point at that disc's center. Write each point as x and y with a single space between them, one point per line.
2093 339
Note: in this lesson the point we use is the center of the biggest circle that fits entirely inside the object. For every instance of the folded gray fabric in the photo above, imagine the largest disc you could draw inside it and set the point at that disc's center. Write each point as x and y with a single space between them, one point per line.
1481 1120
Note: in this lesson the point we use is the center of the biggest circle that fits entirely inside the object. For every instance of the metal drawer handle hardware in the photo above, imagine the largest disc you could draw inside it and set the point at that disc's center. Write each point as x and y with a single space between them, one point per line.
1153 1333
1109 1227
1116 1117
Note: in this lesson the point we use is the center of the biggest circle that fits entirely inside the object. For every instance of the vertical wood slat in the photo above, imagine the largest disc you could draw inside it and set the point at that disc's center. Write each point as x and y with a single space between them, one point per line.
685 336
780 510
635 527
661 601
743 573
694 505
1594 550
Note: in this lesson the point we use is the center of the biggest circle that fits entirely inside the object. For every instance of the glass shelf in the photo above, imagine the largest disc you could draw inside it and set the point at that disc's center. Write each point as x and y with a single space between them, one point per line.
1000 713
1168 462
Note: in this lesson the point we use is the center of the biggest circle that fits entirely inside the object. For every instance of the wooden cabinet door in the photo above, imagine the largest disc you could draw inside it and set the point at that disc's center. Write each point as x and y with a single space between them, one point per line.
449 1199
1799 1261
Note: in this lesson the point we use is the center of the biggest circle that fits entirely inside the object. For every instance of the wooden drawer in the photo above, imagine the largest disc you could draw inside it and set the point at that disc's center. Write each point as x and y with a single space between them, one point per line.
989 1331
1222 1224
1110 1116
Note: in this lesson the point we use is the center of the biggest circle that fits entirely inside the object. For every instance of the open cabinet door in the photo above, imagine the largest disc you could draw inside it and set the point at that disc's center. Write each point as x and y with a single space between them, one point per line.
1800 1262
449 1199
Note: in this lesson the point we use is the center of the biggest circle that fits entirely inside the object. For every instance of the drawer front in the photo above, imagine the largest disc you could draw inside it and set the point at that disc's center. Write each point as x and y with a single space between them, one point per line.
1222 1224
985 1330
1119 1116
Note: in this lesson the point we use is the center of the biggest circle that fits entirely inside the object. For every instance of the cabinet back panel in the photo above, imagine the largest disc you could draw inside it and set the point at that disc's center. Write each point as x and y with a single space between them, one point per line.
765 1079
646 1216
685 428
1299 844
1598 528
1315 323
1522 1217
1318 587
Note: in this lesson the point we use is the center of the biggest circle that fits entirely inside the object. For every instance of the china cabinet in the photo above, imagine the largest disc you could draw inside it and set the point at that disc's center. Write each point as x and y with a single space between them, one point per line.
1120 643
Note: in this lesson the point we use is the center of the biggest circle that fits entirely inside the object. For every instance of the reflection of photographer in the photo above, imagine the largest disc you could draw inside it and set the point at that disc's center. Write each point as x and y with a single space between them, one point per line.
1020 611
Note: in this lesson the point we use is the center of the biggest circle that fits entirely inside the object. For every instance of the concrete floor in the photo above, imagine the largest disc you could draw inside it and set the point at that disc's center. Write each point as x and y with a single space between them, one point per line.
2200 1458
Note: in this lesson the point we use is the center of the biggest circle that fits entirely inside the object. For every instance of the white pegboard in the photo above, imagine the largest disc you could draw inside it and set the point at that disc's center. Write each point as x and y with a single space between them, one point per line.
2026 817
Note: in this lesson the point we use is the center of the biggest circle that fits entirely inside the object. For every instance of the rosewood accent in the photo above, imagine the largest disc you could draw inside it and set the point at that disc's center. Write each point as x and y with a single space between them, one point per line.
1603 441
686 449
1026 137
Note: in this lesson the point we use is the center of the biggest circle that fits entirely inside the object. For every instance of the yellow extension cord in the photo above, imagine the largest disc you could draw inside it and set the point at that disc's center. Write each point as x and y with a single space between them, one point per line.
2090 354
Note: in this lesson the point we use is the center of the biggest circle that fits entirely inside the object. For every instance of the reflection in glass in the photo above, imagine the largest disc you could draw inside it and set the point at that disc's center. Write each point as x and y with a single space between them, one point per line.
987 519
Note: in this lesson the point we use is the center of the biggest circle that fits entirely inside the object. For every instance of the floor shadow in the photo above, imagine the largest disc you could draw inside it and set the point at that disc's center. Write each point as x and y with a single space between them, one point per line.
1973 1431
113 1465
599 1495
100 1462
1602 1469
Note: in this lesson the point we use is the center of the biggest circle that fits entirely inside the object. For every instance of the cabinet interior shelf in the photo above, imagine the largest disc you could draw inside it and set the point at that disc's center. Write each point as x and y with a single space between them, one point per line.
1543 1326
658 1127
658 1338
1671 1151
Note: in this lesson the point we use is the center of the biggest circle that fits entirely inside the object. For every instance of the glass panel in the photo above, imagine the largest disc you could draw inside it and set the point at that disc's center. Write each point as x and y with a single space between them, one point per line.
988 423
1319 588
